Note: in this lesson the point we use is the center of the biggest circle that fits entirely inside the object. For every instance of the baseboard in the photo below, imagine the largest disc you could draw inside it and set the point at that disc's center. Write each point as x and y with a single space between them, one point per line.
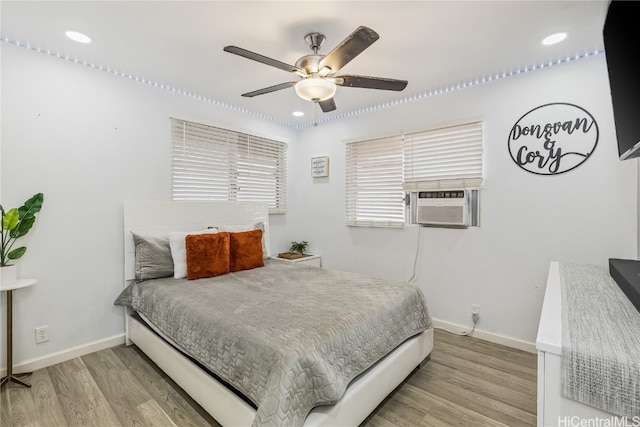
487 336
62 356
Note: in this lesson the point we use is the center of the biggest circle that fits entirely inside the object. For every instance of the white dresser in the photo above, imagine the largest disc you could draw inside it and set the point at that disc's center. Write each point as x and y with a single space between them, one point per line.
553 408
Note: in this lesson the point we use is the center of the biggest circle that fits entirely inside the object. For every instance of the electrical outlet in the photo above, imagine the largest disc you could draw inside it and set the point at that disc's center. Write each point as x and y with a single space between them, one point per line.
475 309
475 312
42 334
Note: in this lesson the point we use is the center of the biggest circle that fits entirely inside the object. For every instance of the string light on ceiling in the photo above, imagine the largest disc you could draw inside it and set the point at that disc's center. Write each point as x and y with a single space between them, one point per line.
364 110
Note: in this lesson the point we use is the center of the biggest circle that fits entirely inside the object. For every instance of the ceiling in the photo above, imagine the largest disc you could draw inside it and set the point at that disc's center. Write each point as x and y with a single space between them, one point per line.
432 44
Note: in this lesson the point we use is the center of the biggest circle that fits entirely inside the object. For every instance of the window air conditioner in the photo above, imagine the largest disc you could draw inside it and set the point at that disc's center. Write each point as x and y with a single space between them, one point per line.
444 208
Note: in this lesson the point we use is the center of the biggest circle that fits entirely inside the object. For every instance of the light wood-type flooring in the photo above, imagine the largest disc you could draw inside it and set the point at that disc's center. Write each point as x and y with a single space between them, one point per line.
467 382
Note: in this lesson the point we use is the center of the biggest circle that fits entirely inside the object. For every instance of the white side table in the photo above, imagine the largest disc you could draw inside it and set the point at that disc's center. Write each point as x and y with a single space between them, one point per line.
307 259
9 288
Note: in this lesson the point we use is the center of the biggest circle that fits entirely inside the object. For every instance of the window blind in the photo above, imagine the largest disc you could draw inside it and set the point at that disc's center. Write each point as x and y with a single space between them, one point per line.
449 157
374 172
210 163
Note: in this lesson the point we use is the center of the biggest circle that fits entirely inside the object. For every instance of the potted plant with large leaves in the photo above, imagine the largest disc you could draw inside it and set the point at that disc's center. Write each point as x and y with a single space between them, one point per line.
16 222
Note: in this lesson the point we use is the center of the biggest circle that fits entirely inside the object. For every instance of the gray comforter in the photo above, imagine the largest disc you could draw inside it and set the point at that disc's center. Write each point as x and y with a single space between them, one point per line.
289 337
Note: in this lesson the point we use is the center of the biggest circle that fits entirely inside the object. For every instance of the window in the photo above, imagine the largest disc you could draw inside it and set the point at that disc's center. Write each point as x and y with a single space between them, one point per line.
449 157
210 163
374 183
380 171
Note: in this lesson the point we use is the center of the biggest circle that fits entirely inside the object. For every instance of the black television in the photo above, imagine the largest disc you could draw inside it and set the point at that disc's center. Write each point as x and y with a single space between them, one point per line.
622 45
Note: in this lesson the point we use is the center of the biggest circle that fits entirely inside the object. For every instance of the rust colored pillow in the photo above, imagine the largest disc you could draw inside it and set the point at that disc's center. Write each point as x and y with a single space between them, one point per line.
207 255
246 250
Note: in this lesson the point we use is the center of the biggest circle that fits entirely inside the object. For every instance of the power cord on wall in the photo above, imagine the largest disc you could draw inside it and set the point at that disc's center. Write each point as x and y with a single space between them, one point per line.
475 317
415 259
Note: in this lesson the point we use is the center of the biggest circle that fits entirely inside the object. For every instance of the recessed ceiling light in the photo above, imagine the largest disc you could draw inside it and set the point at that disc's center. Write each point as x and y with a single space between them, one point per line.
298 113
554 38
78 37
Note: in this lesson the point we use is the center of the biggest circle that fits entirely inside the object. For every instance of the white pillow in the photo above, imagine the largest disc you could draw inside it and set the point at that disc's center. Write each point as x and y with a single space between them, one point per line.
246 227
179 251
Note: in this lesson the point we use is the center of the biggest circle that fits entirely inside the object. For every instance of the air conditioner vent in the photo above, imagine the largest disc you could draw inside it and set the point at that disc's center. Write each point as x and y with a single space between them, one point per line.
443 208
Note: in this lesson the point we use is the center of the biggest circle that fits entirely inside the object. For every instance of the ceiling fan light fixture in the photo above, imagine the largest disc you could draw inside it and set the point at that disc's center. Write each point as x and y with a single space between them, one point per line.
315 89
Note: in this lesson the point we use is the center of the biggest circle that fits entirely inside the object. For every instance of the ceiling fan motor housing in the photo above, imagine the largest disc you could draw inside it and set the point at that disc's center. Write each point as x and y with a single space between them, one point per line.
310 63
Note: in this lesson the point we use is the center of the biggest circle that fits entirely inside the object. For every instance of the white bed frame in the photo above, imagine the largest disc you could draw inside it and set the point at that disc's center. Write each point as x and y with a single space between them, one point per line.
363 395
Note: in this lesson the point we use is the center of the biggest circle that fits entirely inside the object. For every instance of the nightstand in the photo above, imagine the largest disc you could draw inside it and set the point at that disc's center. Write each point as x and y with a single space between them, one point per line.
307 259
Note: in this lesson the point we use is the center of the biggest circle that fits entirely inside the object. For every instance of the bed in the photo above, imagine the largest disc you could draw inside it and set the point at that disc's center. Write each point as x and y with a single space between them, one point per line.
295 346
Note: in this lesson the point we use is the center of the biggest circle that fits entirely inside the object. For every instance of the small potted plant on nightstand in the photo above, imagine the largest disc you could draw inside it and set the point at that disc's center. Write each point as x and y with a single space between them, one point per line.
16 222
295 251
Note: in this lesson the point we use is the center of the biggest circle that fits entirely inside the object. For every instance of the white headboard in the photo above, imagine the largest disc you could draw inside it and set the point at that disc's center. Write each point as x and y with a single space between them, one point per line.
159 218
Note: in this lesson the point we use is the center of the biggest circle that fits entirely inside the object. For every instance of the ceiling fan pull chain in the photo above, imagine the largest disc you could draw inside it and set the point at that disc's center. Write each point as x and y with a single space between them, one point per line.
315 113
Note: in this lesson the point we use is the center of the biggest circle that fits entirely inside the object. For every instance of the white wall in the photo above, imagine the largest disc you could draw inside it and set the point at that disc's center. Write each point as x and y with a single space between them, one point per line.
586 215
88 140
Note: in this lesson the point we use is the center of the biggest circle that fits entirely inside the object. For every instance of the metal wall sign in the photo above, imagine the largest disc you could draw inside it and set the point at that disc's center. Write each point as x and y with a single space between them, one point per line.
553 138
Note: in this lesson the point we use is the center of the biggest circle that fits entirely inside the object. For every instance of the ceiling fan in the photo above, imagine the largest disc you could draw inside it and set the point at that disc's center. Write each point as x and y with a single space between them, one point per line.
318 72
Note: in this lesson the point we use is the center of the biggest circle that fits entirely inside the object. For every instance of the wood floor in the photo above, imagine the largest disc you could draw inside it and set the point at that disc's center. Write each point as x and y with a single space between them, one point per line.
467 382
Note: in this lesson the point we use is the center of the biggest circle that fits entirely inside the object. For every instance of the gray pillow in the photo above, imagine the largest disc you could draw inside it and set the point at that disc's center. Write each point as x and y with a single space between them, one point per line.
153 257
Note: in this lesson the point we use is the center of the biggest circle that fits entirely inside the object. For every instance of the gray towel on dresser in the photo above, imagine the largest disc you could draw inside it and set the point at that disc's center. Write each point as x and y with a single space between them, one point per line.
600 341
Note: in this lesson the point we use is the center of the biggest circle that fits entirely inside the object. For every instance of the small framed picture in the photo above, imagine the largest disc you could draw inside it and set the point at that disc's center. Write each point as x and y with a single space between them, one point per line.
319 166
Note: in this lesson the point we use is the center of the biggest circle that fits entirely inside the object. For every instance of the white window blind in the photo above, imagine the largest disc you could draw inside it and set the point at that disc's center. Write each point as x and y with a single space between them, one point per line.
449 157
374 176
210 163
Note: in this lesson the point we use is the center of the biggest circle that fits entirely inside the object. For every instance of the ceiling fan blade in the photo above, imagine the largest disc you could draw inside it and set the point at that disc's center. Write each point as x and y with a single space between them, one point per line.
269 89
327 105
264 59
371 82
349 48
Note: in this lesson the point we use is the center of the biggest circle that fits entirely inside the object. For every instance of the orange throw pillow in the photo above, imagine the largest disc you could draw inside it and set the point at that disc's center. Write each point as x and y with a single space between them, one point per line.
246 250
207 255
